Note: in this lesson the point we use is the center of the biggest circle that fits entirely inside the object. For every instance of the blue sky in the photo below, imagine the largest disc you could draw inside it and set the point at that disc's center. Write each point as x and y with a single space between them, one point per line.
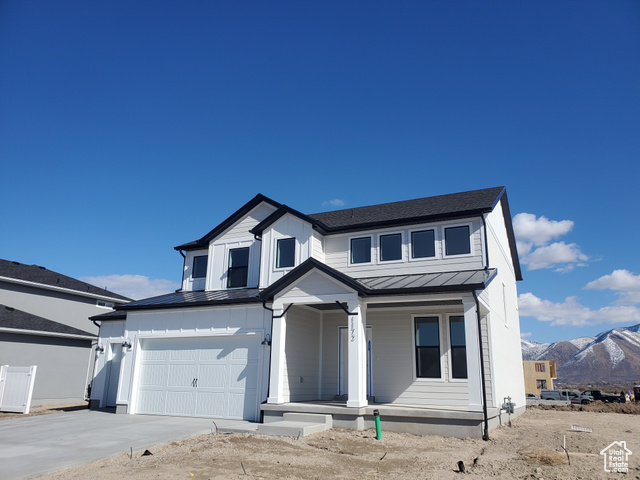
129 127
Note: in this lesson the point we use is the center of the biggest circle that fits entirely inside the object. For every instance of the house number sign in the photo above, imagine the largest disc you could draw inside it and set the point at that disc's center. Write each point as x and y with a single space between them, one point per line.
352 329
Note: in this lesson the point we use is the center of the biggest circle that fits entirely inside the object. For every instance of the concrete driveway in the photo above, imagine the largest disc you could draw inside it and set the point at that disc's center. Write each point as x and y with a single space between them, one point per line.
38 445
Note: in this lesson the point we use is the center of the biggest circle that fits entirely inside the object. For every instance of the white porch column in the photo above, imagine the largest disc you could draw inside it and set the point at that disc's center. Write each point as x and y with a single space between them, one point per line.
473 353
276 381
357 348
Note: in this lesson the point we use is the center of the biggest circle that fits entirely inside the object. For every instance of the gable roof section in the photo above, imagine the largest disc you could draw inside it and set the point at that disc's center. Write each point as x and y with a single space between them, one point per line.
454 205
12 319
304 268
237 215
277 215
40 275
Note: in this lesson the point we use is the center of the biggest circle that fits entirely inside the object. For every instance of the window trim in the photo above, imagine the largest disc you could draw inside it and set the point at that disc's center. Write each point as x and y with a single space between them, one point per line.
441 339
371 250
436 245
228 257
275 254
444 240
450 348
379 247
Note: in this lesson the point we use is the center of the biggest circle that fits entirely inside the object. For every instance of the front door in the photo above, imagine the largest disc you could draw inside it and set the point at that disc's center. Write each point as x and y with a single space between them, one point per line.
343 362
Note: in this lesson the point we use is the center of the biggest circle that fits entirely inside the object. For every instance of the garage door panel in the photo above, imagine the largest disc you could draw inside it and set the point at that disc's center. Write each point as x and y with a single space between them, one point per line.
182 375
211 404
212 376
153 375
151 401
241 405
180 403
243 376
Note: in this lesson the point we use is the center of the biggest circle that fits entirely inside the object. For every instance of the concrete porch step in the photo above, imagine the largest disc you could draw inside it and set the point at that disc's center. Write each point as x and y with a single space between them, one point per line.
296 425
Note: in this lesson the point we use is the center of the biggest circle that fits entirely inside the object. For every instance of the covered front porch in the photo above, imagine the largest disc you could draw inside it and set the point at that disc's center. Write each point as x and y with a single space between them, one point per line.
336 350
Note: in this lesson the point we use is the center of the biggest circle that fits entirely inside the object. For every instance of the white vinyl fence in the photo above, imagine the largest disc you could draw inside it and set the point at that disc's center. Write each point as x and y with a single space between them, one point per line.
16 388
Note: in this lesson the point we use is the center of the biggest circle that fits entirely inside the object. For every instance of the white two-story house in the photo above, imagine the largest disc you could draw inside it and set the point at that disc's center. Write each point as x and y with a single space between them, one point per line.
409 308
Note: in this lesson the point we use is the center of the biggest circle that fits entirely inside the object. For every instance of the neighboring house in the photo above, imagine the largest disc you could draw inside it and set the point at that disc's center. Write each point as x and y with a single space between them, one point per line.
44 322
409 308
538 375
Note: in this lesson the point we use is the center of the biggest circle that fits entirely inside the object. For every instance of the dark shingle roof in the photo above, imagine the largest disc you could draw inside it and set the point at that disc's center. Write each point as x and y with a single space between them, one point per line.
37 274
409 211
194 299
19 320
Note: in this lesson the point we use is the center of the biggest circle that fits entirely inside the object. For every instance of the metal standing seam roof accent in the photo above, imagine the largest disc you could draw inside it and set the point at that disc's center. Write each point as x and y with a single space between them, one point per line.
197 298
429 281
19 320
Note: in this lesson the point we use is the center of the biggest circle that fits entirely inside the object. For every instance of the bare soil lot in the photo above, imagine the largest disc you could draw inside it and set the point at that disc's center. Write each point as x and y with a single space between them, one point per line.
530 449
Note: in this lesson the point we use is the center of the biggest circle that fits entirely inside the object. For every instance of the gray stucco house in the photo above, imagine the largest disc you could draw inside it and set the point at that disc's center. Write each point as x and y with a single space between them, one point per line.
44 321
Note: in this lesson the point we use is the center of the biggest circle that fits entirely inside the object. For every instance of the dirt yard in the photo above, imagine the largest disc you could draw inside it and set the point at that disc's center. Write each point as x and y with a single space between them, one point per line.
530 449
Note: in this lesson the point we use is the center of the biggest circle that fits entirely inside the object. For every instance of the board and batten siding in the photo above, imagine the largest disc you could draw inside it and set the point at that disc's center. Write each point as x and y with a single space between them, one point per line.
337 252
197 323
236 236
393 361
302 355
288 226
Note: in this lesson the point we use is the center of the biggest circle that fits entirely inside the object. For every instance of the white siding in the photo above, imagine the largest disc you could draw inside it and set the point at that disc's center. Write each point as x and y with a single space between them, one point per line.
393 363
236 236
302 354
190 284
337 252
288 226
317 246
192 322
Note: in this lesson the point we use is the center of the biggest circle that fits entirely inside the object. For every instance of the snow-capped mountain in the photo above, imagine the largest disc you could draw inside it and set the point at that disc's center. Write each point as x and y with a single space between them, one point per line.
610 357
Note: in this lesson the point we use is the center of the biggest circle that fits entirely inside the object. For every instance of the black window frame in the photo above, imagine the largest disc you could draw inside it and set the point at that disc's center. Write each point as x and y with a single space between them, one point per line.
413 243
448 243
197 259
351 250
231 270
293 254
419 349
380 247
458 351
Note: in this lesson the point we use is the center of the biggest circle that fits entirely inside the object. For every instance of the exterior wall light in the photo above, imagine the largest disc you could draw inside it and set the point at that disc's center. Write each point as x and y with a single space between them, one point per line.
100 348
126 343
267 340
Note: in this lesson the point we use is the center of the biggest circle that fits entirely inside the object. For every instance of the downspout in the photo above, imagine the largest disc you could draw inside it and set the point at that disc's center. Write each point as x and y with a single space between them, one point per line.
485 435
486 242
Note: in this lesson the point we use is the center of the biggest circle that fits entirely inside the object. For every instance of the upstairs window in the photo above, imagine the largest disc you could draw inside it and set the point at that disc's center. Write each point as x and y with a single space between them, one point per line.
390 247
427 347
238 272
200 266
458 347
457 240
286 253
423 244
361 250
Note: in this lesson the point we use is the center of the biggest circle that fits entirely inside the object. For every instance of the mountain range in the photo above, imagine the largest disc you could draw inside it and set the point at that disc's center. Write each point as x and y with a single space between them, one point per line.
611 357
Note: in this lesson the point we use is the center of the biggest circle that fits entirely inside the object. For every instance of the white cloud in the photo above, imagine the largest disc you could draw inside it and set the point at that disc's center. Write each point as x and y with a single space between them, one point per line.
133 286
336 202
525 334
623 282
558 253
539 231
533 237
572 313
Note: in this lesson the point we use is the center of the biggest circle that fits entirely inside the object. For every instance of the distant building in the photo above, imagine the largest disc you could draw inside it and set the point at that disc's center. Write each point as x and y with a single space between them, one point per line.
538 375
44 321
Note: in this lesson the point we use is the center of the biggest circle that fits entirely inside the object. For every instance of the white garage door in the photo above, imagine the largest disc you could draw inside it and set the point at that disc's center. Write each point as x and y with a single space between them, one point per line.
201 377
